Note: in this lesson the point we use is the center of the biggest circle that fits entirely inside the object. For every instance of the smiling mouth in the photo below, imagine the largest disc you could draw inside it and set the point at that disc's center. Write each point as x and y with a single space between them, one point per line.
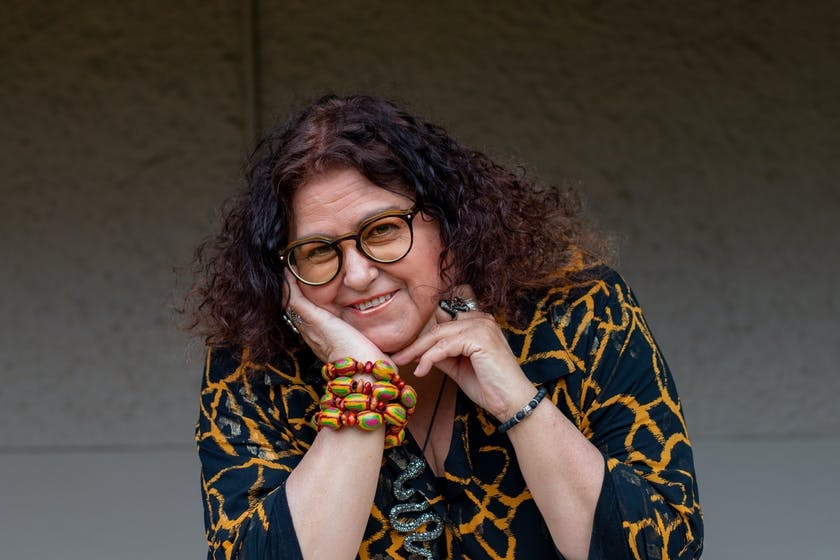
365 305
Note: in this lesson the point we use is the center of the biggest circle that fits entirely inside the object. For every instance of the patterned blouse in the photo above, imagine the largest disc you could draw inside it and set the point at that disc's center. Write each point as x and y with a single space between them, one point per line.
588 344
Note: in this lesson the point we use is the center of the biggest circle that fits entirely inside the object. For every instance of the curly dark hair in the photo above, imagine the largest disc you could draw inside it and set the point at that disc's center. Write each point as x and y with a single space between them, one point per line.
506 235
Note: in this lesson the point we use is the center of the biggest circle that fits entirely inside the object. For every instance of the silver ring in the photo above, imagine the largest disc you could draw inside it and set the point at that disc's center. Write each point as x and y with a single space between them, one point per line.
293 319
458 305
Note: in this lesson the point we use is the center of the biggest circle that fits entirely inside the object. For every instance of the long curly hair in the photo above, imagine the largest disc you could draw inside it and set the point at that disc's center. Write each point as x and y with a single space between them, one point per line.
503 234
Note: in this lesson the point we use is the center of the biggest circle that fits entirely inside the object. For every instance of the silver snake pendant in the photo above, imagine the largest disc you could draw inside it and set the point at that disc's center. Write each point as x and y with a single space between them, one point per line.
396 517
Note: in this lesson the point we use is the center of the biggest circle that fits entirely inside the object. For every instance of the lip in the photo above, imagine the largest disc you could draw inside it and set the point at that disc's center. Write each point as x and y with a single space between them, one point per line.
375 308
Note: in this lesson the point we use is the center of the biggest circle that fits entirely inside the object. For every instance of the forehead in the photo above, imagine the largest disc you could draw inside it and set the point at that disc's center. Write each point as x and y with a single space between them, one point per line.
335 202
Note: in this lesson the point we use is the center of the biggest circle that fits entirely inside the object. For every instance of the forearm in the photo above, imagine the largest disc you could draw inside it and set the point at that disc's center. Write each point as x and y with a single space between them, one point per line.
331 491
564 473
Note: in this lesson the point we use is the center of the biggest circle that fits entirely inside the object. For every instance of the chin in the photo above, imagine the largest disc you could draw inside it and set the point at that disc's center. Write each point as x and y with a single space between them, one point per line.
391 344
390 347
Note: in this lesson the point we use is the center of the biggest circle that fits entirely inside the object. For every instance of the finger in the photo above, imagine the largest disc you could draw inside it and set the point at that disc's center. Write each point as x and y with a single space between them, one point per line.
461 331
295 295
301 311
299 302
447 366
444 354
423 342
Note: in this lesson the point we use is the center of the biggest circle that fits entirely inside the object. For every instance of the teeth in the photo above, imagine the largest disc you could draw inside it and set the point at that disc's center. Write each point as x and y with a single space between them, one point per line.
371 303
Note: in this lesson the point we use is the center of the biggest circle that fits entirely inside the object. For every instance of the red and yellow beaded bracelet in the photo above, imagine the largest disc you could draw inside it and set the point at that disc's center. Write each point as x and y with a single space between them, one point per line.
388 401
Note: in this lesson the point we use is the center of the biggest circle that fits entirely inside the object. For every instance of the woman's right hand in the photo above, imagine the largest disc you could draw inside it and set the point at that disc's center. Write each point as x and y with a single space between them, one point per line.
329 337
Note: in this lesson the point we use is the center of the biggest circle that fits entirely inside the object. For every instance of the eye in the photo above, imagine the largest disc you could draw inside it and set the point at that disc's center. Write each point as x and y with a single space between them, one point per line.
315 252
384 231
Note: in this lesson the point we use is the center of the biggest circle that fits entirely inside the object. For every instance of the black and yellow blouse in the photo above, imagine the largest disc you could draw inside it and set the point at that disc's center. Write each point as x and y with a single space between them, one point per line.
588 344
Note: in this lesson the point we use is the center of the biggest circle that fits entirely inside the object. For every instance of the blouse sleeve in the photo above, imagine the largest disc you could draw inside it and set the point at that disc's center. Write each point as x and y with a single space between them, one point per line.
251 433
626 403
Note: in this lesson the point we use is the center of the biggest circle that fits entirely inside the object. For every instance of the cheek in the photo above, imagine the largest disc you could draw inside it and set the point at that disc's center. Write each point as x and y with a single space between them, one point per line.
429 248
426 287
321 296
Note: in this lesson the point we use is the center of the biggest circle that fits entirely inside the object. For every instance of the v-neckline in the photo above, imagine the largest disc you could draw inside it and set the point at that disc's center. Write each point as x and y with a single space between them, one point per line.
445 424
441 436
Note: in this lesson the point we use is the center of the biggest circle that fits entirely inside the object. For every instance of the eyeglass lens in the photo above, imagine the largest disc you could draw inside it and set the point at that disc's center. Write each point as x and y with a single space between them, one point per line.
385 240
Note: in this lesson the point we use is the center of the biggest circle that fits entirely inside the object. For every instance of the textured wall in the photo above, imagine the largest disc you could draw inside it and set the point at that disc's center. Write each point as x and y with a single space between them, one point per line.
706 135
121 131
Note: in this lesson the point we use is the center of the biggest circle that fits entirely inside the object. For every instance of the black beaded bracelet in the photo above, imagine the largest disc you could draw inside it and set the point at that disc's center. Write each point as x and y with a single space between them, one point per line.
524 412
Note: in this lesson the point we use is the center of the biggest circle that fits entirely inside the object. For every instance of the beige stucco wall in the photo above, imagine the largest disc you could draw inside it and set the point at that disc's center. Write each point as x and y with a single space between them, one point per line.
706 135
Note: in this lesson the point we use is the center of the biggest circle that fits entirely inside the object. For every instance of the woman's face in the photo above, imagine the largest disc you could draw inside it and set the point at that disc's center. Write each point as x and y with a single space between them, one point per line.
389 303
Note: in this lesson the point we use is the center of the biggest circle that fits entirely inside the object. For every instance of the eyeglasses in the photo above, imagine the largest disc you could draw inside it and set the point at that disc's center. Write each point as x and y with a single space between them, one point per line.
383 238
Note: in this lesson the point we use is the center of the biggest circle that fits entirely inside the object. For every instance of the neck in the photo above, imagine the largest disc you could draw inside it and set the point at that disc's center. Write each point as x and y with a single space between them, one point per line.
426 386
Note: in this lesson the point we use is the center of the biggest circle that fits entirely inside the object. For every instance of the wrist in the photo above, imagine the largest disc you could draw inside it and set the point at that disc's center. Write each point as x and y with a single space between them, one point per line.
366 395
524 411
514 400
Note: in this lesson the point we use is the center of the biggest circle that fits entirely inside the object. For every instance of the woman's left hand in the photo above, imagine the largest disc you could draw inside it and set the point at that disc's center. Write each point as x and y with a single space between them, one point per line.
472 350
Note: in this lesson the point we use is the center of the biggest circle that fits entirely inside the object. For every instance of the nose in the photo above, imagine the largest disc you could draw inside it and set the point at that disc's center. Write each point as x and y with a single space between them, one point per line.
358 270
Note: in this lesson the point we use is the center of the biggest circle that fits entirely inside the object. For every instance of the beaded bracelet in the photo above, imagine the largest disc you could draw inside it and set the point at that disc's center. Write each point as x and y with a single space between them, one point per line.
394 417
389 384
382 391
526 411
380 369
389 401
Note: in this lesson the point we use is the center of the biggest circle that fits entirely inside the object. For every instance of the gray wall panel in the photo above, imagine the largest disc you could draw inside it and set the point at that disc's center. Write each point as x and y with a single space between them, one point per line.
121 132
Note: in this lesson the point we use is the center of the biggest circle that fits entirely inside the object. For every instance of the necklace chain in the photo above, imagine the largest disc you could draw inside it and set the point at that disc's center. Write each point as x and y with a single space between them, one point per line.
434 414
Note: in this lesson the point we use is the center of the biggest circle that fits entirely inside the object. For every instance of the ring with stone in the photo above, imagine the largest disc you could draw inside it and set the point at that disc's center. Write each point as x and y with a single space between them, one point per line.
457 305
293 319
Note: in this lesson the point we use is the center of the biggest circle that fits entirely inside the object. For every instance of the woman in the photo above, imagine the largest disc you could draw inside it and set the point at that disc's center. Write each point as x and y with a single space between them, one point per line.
416 353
